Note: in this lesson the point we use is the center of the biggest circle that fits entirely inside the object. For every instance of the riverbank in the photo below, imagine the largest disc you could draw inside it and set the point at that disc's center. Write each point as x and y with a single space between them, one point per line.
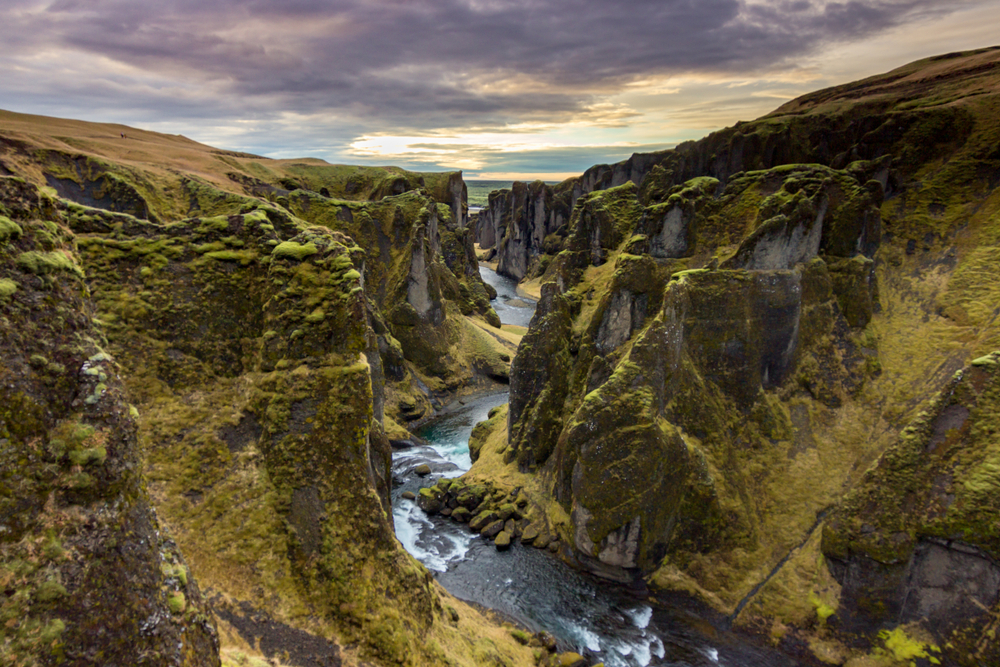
600 620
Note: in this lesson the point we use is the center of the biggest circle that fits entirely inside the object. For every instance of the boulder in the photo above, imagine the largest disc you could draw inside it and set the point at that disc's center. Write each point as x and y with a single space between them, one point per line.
502 542
570 659
428 501
492 529
481 520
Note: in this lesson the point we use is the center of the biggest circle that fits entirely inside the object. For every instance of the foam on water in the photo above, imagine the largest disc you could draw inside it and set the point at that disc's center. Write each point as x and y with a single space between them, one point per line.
407 521
641 616
657 647
586 637
712 654
411 523
642 654
636 651
457 453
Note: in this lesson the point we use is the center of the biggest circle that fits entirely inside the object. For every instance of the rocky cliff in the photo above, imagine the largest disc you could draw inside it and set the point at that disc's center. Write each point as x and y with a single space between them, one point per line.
910 115
228 340
732 332
88 574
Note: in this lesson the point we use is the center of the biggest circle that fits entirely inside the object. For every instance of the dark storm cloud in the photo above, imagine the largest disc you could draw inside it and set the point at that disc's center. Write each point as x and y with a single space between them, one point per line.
429 63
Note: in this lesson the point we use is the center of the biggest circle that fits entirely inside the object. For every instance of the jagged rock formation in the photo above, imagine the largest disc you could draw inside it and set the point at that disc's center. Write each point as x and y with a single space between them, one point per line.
521 224
155 178
731 332
618 406
88 574
266 343
879 119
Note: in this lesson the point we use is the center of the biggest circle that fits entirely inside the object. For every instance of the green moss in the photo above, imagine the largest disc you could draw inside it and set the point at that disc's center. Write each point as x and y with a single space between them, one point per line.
7 288
50 591
9 230
243 257
176 602
215 224
904 648
989 360
50 634
92 456
681 276
521 636
214 246
294 250
44 263
823 610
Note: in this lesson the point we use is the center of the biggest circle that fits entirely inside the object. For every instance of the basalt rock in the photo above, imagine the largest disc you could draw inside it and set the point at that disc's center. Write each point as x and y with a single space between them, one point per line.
270 317
519 224
886 133
731 331
662 353
92 572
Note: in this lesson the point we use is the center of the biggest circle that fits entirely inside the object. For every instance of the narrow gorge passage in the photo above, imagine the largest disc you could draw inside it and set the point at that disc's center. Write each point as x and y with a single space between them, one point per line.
597 619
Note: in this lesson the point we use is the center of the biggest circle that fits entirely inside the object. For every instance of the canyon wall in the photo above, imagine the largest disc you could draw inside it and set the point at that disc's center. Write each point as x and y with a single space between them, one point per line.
225 345
732 332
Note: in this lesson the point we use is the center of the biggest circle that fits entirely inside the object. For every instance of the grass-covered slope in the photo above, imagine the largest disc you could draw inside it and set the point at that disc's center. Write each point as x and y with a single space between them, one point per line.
406 223
167 175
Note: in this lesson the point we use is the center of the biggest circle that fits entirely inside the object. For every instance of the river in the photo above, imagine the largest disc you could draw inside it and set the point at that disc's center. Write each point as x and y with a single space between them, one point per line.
595 618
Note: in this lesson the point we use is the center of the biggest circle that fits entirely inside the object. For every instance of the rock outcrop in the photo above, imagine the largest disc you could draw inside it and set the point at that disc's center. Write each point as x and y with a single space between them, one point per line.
917 540
88 572
521 224
623 395
875 125
731 332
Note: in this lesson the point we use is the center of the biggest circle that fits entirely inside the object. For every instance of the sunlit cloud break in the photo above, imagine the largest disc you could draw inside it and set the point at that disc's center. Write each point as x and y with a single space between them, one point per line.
440 83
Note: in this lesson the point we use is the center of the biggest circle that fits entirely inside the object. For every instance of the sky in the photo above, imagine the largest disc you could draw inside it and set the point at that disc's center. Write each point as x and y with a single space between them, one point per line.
501 89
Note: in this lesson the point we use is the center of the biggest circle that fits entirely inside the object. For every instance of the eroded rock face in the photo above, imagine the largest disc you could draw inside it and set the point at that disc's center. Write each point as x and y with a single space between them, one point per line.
95 576
916 541
540 380
628 473
629 381
517 222
302 370
787 137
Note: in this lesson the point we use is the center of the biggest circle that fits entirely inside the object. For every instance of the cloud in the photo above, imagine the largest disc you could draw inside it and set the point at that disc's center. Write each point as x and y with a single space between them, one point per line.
403 66
487 161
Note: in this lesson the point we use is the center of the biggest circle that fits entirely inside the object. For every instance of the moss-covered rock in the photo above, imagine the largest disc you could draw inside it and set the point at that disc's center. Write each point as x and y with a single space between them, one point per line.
540 381
783 296
917 539
88 569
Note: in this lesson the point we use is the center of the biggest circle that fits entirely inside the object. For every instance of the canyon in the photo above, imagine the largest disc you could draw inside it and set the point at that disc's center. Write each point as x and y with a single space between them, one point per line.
761 383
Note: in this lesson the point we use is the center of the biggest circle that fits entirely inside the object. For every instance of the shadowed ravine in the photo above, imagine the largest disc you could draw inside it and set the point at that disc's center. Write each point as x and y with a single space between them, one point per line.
601 621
